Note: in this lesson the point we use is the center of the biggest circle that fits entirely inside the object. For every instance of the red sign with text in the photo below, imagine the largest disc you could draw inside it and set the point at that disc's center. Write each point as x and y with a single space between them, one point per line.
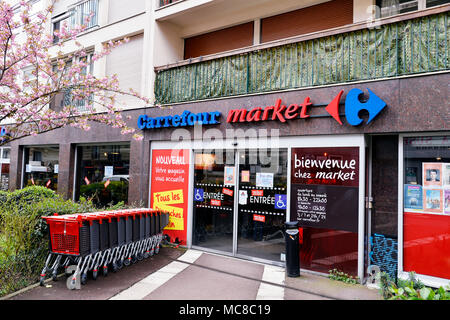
169 189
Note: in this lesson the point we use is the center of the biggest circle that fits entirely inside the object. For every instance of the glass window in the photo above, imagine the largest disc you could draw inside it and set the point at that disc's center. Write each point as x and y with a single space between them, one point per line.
4 177
5 153
41 167
433 3
426 204
103 173
392 7
77 16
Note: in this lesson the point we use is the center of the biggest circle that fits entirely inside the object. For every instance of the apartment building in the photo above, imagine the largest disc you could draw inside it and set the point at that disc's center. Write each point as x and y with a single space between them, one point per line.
333 113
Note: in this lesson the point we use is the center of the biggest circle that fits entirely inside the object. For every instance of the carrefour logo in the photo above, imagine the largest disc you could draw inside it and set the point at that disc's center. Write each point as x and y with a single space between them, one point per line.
354 103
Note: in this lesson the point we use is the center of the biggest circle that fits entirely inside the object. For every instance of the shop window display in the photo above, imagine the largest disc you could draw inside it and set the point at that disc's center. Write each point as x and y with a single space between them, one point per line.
41 167
4 173
103 173
426 205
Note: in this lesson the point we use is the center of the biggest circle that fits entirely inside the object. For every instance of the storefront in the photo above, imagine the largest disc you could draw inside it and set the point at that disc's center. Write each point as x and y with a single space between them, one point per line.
350 163
339 160
239 194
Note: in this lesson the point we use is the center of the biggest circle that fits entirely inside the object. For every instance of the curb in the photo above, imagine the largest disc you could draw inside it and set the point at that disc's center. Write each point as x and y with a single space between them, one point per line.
31 286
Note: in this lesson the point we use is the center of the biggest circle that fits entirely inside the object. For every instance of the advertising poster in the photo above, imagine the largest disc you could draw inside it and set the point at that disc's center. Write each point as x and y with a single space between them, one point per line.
229 174
433 201
432 174
325 187
447 201
264 180
169 189
446 175
413 196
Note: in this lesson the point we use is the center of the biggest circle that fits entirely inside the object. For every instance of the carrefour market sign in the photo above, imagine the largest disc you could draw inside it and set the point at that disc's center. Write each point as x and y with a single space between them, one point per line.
187 118
277 112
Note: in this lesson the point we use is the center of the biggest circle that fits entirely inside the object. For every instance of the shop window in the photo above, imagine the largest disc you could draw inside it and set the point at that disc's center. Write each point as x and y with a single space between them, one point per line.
383 218
4 168
103 173
426 204
41 167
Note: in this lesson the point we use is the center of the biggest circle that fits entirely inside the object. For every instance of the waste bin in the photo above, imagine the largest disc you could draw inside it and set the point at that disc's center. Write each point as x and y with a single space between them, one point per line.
292 249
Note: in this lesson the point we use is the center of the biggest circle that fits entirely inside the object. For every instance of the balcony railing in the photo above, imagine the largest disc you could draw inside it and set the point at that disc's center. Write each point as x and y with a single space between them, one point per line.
163 3
397 48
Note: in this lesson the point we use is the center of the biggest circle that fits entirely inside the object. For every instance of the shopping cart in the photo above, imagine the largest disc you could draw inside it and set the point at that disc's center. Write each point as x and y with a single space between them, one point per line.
89 242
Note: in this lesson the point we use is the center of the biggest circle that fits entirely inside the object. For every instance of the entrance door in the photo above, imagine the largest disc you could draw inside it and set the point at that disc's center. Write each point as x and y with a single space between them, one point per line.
214 181
262 203
246 220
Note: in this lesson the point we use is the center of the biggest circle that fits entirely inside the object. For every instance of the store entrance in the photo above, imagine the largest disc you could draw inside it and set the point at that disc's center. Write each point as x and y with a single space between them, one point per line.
240 202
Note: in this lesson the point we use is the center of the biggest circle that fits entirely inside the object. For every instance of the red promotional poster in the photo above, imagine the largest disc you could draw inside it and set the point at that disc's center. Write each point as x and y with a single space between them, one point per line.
169 189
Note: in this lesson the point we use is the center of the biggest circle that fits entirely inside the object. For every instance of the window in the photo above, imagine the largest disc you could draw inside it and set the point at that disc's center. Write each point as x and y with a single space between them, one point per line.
6 153
76 16
163 3
4 168
426 205
103 173
60 100
41 167
392 7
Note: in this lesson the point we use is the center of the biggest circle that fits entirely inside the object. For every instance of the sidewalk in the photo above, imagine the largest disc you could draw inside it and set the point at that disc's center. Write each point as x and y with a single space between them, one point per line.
178 274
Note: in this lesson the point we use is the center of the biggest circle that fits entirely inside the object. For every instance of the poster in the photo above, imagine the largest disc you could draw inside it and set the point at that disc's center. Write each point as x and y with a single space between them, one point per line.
169 189
432 174
411 175
446 175
264 180
243 196
325 187
229 175
109 171
433 201
413 196
447 201
245 176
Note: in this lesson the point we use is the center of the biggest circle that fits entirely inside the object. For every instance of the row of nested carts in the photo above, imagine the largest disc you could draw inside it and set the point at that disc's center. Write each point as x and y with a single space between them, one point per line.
101 241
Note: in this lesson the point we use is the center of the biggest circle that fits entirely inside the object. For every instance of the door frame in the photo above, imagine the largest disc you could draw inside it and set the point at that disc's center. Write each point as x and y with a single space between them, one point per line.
274 142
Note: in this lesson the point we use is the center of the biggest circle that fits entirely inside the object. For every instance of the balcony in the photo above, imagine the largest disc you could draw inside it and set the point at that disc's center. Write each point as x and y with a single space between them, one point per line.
163 3
408 44
84 13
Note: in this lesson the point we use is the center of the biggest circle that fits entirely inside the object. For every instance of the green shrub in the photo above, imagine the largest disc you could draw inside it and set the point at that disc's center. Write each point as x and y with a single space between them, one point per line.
116 192
24 234
409 289
27 195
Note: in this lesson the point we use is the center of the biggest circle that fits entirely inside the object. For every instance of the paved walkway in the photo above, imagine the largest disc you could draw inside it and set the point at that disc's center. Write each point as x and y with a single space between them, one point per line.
197 275
176 274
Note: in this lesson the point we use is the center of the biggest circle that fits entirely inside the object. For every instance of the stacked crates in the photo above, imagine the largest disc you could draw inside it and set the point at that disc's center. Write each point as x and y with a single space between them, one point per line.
101 241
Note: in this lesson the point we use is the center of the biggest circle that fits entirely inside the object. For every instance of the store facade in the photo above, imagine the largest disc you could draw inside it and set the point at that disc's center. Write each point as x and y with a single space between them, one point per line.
345 161
337 159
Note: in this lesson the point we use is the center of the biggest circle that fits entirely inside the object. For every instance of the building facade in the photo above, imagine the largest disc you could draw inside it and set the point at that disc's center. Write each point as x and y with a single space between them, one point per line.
334 114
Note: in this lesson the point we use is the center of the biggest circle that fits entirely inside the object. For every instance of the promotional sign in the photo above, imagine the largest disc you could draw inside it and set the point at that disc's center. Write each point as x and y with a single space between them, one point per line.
325 183
169 189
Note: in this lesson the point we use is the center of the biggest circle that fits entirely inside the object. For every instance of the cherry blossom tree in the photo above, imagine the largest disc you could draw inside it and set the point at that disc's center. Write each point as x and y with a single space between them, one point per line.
25 97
